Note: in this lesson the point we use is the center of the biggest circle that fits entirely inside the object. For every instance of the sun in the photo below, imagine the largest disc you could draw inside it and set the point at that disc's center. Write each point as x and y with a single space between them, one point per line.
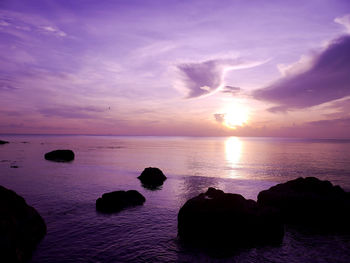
235 116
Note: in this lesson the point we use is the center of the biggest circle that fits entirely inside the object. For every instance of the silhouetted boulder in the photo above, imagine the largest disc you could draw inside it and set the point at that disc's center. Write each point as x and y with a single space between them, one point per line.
60 156
118 200
152 177
3 142
227 221
310 202
21 227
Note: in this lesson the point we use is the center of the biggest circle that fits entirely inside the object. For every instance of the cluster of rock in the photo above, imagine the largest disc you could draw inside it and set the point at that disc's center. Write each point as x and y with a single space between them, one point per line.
213 219
116 201
21 227
220 220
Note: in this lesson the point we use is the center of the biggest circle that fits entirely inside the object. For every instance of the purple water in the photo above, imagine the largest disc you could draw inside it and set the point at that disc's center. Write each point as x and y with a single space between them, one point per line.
65 193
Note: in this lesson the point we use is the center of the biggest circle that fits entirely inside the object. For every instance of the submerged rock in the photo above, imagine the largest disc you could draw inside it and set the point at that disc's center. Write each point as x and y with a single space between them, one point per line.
21 227
152 177
118 200
221 220
60 156
3 142
310 202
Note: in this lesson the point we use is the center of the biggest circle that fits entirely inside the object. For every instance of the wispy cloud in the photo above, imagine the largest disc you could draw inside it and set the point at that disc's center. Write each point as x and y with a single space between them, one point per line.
341 122
327 79
54 30
71 112
345 21
206 77
13 21
231 90
7 87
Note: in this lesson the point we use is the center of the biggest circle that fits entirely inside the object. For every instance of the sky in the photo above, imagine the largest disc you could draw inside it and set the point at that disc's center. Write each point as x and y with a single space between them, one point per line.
185 67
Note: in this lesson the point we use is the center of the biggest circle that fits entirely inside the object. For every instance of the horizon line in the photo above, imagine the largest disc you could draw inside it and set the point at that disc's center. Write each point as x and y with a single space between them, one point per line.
148 135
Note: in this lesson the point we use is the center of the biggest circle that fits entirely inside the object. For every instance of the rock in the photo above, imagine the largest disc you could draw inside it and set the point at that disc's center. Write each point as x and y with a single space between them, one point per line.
21 227
3 142
152 177
14 166
310 202
60 156
118 200
227 221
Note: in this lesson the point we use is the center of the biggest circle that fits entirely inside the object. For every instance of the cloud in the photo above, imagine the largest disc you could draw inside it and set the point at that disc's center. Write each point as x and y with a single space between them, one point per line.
11 22
345 21
219 117
327 79
341 122
206 77
71 112
7 87
54 31
231 90
342 105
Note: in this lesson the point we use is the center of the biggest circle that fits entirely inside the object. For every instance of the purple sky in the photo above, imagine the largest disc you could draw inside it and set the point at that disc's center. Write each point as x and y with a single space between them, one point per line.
202 68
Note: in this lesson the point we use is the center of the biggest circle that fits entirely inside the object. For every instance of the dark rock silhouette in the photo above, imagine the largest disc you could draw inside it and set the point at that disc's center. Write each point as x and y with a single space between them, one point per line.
14 166
225 221
21 227
152 177
3 142
60 156
118 200
310 202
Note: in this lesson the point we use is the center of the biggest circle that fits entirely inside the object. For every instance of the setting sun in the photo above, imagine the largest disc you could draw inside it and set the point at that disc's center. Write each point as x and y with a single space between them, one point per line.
236 116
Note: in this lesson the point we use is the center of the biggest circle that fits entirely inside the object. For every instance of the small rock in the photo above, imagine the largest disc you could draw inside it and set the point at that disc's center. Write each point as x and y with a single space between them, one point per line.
152 177
118 200
3 142
60 156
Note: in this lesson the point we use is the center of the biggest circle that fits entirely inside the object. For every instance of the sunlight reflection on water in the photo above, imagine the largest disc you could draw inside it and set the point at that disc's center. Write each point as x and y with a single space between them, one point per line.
233 150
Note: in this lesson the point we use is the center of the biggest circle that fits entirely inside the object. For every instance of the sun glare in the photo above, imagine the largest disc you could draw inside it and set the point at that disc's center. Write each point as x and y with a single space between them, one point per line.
236 116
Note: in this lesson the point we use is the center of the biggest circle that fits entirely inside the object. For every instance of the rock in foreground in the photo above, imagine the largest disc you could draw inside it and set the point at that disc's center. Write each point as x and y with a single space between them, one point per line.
118 200
152 177
310 202
21 227
60 156
3 142
227 221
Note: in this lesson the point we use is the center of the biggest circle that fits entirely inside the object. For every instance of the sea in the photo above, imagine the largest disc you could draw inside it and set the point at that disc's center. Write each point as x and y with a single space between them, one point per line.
65 193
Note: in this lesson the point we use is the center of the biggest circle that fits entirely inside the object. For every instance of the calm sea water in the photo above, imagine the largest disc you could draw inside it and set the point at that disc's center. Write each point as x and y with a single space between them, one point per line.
65 193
